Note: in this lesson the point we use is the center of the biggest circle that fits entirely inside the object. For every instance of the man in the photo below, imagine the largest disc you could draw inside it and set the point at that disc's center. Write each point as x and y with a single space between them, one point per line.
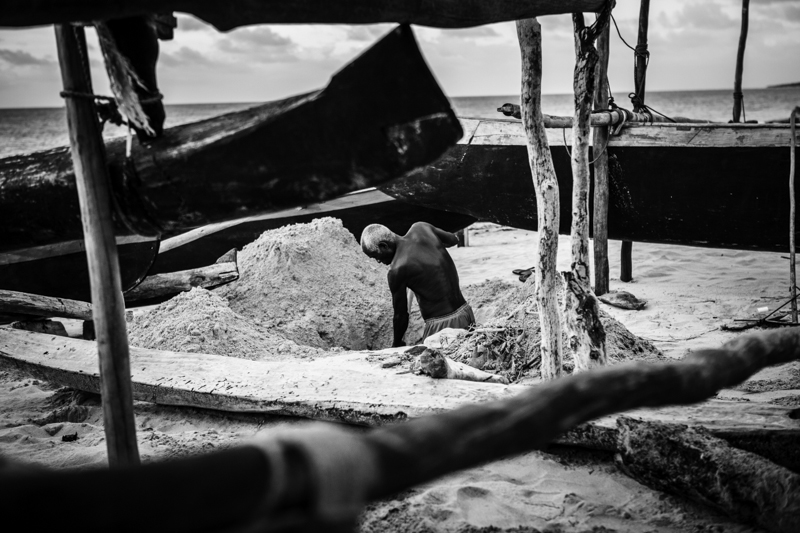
419 261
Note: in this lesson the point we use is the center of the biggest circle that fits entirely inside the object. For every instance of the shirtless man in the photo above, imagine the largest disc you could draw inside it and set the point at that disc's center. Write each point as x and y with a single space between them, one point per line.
419 261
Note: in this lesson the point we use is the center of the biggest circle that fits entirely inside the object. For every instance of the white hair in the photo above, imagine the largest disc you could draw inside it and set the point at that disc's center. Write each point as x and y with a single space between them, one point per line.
374 234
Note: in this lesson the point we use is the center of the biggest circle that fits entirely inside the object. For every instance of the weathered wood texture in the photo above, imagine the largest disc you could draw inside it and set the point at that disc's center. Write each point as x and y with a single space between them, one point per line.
793 213
88 156
48 327
641 57
691 463
600 137
159 287
13 302
585 333
738 97
529 33
609 117
234 13
297 151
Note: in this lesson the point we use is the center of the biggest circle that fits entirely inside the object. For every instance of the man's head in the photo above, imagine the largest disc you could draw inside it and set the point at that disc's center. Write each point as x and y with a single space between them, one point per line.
379 242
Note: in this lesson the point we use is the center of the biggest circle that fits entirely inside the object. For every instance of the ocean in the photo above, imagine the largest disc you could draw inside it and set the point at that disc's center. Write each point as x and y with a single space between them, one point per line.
29 130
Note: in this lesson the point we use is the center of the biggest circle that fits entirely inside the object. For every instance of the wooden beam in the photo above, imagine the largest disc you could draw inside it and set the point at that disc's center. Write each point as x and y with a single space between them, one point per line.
159 287
738 97
703 468
611 117
21 303
88 155
641 58
793 213
626 261
600 137
529 33
234 13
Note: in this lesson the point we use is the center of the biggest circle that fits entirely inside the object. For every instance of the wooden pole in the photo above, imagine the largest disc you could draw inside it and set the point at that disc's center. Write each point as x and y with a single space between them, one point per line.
738 97
792 215
600 142
529 33
626 261
641 57
88 156
585 334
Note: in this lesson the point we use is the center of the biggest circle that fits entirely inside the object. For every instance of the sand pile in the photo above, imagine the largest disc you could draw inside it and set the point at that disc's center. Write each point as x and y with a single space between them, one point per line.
201 321
508 337
312 283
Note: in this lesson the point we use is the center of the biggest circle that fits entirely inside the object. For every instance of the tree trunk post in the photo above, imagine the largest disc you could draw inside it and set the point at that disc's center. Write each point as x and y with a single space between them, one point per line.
600 142
792 211
626 262
88 155
585 333
738 97
641 56
529 33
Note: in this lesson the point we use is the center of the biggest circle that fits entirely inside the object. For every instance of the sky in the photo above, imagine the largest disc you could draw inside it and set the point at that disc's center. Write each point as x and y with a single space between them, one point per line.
692 46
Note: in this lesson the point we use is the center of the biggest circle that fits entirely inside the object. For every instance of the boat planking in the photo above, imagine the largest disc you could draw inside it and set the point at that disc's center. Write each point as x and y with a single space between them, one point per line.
356 210
709 185
380 117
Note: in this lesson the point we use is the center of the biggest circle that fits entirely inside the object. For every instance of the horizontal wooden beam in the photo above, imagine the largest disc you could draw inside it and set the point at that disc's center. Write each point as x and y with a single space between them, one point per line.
611 117
234 13
32 305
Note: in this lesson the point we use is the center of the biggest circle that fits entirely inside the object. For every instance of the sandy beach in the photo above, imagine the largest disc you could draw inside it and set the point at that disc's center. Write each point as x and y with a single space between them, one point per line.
691 294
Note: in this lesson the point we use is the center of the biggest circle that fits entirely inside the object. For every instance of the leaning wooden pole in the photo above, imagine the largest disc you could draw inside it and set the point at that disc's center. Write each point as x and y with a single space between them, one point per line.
585 333
792 212
738 97
88 156
600 143
529 33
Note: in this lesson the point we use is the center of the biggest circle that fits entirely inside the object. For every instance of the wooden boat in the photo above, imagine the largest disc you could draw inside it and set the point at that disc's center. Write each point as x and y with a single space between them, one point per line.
356 210
710 185
380 117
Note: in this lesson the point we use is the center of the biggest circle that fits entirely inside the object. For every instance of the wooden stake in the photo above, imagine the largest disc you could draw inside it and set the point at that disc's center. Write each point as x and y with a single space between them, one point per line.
600 142
641 56
585 333
88 156
529 33
626 261
792 215
738 97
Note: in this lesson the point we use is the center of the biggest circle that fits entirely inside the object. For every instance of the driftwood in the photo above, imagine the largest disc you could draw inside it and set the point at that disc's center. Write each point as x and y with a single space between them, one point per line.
234 13
94 194
23 305
691 463
279 155
159 287
585 332
529 33
436 365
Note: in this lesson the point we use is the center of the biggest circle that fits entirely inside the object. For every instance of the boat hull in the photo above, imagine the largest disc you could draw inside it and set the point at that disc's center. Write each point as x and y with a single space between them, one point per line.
718 192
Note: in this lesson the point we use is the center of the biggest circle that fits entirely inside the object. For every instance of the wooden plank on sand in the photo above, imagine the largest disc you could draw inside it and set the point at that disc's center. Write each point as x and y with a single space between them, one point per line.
344 388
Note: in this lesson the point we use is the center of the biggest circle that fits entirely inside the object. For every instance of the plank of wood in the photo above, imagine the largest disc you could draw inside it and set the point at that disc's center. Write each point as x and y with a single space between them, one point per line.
13 302
234 13
696 465
346 388
94 193
159 286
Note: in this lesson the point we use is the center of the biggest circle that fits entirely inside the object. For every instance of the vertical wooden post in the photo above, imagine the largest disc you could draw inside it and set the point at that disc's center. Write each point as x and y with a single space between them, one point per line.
529 33
88 157
792 211
641 57
737 81
585 333
626 262
600 142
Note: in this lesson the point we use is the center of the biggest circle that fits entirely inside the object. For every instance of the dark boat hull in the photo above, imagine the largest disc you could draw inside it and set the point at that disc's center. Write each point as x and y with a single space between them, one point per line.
696 186
203 246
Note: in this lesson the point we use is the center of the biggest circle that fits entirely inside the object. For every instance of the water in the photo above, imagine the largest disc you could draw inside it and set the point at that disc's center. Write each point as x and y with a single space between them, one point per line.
29 130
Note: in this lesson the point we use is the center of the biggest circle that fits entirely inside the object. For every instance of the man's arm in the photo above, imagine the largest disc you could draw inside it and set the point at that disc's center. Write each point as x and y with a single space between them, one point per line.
448 239
400 304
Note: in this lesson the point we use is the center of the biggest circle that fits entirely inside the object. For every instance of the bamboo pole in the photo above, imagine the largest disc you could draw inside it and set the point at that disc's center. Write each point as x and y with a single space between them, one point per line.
88 155
738 97
600 142
529 33
585 334
792 215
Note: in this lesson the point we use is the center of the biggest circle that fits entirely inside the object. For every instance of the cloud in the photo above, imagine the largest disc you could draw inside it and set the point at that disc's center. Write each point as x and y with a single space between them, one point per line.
260 45
185 57
368 33
702 15
21 58
187 23
466 33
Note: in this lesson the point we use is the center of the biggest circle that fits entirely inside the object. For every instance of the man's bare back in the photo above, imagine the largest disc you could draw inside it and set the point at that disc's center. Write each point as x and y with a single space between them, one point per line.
419 261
